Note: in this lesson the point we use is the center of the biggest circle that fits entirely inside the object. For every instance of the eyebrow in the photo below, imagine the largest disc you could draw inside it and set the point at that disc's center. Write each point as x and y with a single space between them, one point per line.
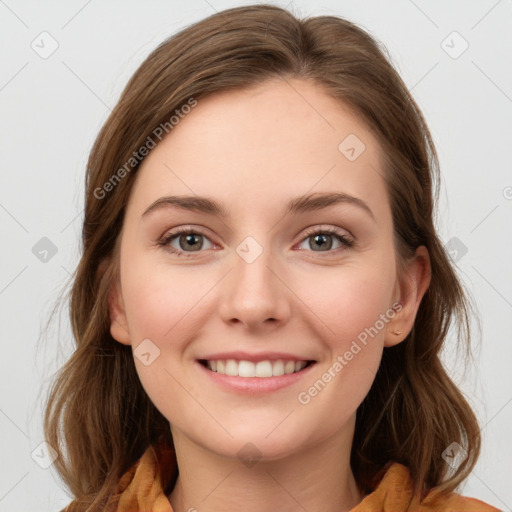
301 204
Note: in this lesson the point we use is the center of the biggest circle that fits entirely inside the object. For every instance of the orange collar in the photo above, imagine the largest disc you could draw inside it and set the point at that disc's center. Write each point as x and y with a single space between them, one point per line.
142 488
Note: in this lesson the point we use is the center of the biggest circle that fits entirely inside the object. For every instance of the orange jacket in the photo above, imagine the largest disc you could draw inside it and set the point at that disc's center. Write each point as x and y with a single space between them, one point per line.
141 489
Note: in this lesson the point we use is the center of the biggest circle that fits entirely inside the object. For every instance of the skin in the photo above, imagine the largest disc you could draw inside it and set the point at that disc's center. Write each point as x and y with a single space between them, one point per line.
253 150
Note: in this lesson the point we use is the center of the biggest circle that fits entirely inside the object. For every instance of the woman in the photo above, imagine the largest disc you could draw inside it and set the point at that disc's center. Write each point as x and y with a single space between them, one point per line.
262 297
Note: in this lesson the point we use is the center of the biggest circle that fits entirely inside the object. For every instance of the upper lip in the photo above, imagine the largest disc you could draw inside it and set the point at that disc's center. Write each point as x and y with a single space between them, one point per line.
256 357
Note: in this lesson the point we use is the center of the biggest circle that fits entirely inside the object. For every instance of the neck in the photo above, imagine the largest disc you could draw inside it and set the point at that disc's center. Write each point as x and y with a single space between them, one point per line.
318 478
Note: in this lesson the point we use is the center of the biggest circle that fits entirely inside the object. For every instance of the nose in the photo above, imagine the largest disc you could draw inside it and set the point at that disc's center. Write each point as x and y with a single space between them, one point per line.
256 293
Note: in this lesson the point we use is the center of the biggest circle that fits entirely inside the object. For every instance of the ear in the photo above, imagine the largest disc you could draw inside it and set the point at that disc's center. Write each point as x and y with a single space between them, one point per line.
412 283
118 324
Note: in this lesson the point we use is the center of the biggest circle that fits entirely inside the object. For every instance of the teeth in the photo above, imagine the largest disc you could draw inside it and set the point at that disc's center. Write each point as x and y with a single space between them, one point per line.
289 367
260 369
246 369
231 367
278 368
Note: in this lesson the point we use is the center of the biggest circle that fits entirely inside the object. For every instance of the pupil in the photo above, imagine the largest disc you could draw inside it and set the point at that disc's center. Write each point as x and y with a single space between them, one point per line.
190 238
322 244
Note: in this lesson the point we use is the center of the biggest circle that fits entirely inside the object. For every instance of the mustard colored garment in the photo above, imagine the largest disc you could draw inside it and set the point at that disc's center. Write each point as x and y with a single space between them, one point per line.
141 489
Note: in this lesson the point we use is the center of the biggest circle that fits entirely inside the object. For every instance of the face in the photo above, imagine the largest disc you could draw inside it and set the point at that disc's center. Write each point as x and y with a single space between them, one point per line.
267 277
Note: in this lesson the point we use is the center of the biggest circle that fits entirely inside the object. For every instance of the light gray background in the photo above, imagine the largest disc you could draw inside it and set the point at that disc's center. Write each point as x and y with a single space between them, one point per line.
52 109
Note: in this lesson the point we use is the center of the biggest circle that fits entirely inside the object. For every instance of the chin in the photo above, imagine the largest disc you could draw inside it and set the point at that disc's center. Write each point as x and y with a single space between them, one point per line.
254 442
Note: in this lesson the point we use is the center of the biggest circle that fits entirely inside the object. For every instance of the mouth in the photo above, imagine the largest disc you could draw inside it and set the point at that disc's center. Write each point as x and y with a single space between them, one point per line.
249 369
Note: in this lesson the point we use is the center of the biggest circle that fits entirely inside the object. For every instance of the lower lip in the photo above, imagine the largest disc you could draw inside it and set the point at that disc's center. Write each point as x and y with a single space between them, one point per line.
255 385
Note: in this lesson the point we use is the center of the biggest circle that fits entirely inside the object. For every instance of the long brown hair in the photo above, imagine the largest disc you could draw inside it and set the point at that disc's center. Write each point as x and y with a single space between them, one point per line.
98 417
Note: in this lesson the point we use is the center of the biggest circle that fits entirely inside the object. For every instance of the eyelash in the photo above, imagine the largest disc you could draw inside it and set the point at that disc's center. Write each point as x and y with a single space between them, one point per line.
165 240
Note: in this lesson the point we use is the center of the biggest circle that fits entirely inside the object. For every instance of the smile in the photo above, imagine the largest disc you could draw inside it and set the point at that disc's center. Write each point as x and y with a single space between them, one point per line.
264 369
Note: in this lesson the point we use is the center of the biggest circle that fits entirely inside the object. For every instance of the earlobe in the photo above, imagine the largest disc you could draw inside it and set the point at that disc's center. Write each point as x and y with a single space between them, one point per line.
411 287
118 323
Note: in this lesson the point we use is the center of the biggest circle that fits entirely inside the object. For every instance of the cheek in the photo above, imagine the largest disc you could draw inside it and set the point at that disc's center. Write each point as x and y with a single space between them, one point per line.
163 305
349 301
169 305
355 309
160 303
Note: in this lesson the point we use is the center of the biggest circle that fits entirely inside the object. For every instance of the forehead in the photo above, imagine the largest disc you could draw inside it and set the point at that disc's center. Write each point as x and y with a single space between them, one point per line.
250 148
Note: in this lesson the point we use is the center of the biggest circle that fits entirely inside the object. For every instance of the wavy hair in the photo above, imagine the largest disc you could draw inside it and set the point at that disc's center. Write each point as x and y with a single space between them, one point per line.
98 417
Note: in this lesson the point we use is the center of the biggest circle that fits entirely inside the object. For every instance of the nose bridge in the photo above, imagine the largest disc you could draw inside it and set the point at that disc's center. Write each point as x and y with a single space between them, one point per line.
256 294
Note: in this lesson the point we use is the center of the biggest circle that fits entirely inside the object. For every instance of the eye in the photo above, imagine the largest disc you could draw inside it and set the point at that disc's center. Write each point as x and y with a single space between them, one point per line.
323 238
186 241
183 240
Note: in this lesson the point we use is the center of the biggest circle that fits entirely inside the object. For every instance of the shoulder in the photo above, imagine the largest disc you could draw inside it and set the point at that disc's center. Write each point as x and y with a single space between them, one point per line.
456 503
394 494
